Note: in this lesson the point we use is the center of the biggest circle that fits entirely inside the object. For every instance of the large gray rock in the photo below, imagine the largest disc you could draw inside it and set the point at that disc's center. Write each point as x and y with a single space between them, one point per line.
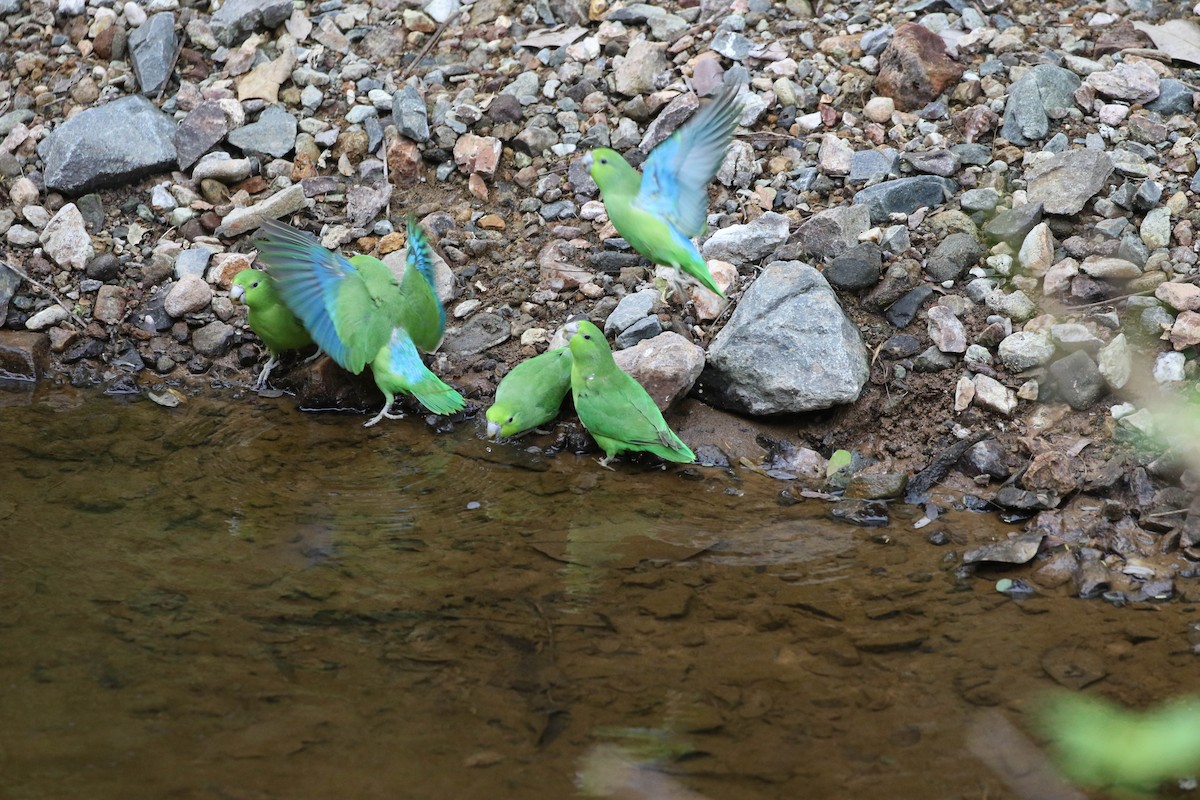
831 232
1065 182
110 145
750 242
272 134
788 347
152 50
634 73
904 195
409 114
1040 90
237 19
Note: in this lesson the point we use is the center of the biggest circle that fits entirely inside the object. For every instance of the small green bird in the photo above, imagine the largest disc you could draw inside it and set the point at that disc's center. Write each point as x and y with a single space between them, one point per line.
531 393
614 407
274 323
659 211
360 315
1099 743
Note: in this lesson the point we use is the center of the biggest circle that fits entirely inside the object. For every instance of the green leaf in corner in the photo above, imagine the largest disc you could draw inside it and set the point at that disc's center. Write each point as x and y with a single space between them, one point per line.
839 460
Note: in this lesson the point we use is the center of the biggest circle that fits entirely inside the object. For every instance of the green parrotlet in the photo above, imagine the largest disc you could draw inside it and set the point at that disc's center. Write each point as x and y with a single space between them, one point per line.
531 393
268 317
360 315
1099 743
614 407
660 210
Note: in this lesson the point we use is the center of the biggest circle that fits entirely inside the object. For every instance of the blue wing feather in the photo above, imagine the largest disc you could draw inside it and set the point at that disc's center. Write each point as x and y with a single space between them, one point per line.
420 255
309 278
676 174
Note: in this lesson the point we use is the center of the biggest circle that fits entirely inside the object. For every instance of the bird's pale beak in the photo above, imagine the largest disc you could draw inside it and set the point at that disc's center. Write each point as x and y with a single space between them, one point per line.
493 430
237 293
570 329
587 160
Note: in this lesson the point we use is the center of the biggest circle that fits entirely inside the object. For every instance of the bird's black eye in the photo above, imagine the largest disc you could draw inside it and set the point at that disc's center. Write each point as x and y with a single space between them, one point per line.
510 419
587 336
604 161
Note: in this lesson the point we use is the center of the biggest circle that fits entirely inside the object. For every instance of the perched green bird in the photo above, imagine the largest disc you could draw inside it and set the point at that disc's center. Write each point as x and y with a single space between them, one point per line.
274 323
360 315
1098 743
615 409
531 393
659 211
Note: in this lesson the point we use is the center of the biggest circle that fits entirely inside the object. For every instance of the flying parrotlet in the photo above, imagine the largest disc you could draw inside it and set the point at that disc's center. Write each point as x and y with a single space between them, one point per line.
614 407
274 323
360 315
659 211
531 393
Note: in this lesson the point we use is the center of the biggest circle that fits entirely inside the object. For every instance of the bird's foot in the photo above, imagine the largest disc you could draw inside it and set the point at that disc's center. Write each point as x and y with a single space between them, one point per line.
383 412
605 461
261 382
312 358
397 415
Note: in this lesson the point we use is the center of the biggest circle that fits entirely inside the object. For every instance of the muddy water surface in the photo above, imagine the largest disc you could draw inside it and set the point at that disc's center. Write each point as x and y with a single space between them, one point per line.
232 599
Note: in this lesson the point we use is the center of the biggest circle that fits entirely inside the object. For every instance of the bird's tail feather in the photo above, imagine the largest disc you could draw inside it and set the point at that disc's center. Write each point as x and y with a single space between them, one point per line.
405 363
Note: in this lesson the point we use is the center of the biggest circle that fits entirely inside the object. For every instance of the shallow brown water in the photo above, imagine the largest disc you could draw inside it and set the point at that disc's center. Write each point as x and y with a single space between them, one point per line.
233 599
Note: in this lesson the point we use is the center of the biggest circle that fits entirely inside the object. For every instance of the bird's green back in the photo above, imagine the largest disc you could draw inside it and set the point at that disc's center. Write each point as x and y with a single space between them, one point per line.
532 392
613 406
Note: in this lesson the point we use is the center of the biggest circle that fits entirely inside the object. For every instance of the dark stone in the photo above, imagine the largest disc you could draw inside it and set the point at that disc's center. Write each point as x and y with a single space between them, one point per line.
9 281
1174 97
411 117
203 128
904 310
272 134
644 328
612 261
957 253
504 108
857 268
1077 380
904 196
988 457
237 19
901 345
91 207
103 267
481 332
88 348
934 360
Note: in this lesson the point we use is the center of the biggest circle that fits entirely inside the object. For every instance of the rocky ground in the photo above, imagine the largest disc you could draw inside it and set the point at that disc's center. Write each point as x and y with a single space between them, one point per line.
959 238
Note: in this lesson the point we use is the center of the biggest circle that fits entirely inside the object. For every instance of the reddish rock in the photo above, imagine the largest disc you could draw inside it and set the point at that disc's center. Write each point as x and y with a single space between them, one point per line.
559 269
110 304
24 355
975 122
477 154
404 162
1122 36
915 69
